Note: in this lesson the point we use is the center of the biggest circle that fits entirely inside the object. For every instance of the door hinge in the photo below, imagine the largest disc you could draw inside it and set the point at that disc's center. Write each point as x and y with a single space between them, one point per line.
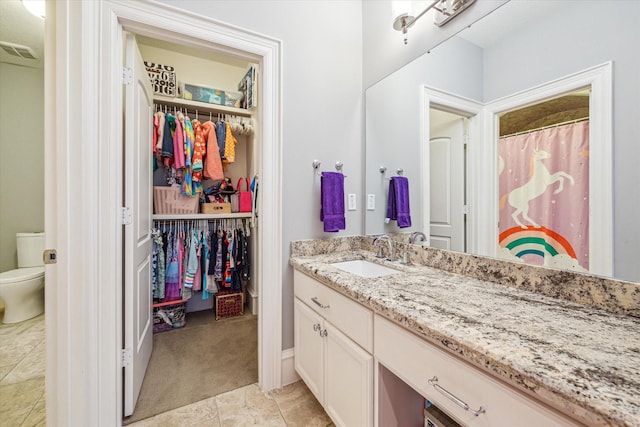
465 210
126 216
127 76
126 357
49 256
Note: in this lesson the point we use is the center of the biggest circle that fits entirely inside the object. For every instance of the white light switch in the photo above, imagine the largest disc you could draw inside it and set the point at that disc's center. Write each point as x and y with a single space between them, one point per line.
351 202
371 202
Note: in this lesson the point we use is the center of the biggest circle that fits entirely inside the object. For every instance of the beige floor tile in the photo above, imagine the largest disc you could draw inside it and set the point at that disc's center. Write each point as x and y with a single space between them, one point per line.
38 415
5 369
299 407
31 366
203 413
18 400
248 406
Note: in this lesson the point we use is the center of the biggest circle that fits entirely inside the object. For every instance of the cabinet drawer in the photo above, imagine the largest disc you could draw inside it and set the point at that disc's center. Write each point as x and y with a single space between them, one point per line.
416 361
353 319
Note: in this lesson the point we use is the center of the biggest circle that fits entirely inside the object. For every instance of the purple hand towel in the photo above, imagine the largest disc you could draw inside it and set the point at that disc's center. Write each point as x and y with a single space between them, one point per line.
332 201
398 201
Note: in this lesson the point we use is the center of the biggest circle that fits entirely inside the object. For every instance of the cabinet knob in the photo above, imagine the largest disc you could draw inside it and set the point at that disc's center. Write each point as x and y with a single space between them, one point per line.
316 327
323 333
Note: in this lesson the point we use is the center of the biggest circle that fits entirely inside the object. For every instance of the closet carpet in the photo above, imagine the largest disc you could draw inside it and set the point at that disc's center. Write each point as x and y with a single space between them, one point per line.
201 360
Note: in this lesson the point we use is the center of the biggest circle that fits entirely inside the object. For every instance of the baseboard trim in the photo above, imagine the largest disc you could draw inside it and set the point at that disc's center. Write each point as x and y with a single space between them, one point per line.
252 297
289 374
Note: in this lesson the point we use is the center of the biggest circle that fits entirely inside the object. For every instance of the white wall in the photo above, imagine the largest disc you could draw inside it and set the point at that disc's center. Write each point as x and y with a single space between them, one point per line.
384 51
580 35
322 106
21 156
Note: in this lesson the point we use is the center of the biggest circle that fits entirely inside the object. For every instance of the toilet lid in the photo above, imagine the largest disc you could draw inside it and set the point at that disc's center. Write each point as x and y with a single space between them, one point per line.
21 274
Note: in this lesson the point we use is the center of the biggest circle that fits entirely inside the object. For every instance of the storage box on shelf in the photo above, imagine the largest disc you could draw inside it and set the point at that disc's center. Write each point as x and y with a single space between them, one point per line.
229 304
168 200
169 315
215 208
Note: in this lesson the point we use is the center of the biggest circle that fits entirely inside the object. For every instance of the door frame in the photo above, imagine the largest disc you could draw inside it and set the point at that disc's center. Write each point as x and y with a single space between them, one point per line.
599 78
473 110
83 95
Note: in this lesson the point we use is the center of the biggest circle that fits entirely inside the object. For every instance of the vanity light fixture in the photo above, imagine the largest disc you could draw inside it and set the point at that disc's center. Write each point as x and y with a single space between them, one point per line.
445 11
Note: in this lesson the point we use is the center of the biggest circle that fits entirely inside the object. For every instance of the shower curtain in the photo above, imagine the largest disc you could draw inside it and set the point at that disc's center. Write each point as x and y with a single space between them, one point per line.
544 197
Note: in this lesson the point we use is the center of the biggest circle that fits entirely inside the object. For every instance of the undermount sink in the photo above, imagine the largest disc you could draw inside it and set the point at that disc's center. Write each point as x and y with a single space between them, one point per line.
365 268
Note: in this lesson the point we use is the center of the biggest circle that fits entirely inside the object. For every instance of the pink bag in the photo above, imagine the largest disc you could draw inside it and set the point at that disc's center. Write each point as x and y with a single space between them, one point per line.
244 197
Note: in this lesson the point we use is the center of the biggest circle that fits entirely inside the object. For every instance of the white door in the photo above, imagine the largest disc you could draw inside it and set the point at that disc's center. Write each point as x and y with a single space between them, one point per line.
138 324
349 380
309 360
447 177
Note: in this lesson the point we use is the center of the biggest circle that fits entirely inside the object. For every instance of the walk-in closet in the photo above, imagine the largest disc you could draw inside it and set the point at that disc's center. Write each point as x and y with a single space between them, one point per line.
203 154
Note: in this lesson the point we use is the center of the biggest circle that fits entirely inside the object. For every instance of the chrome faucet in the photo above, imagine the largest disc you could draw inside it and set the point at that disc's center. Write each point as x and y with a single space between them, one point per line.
417 234
377 244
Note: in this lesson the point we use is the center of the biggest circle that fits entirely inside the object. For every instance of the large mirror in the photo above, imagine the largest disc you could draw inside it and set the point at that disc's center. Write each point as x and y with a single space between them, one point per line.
470 80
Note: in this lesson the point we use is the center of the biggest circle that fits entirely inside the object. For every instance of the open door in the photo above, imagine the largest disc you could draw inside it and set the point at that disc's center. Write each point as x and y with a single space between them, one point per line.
138 322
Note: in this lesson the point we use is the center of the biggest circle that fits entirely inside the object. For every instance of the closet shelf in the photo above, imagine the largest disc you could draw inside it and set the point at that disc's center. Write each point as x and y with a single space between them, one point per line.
202 216
201 107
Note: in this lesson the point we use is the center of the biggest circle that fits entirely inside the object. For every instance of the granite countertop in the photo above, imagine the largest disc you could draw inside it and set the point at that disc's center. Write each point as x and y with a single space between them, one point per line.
582 360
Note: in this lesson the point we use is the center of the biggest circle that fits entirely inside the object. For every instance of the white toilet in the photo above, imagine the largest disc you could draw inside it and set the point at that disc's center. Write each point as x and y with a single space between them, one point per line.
22 290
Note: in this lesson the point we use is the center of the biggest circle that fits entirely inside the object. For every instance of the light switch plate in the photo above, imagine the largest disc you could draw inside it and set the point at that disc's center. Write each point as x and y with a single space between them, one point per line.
351 202
371 202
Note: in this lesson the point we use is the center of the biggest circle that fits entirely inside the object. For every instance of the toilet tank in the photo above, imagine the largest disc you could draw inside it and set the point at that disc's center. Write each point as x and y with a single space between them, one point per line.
30 248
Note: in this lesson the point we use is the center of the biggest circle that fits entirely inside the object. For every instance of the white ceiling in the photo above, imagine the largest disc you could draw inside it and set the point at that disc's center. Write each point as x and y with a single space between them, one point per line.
20 27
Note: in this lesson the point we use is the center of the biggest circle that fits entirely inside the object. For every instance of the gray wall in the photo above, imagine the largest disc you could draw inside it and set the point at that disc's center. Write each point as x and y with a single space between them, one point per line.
321 107
21 156
383 48
393 121
583 34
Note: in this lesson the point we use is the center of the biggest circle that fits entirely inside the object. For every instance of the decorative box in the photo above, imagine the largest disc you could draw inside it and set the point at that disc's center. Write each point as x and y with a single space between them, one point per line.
215 208
163 78
204 94
229 304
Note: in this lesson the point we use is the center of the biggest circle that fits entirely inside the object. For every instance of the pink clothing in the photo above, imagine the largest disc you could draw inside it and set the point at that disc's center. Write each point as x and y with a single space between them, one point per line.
178 142
212 163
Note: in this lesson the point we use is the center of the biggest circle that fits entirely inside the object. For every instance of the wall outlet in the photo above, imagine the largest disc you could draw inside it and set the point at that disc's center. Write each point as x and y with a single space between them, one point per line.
371 202
351 202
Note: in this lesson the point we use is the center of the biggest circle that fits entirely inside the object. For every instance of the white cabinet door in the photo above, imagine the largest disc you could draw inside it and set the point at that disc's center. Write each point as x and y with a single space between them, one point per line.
349 380
309 360
138 321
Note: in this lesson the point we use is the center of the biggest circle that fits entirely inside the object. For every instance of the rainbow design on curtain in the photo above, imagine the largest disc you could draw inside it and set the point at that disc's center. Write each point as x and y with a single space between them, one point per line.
544 203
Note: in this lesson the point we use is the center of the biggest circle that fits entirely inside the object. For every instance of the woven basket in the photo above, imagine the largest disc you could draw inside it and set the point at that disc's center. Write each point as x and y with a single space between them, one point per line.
168 200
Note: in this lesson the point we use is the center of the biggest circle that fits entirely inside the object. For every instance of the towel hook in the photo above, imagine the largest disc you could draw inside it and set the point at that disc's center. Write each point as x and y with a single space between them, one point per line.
400 171
339 168
316 166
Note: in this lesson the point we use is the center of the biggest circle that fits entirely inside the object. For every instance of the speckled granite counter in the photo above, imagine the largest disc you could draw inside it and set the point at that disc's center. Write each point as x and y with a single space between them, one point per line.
582 360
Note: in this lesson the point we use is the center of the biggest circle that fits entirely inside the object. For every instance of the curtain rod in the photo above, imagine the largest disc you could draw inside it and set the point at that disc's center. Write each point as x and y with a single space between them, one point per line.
568 122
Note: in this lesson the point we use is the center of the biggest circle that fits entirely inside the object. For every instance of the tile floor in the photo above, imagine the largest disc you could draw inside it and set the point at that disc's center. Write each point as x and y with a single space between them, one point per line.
22 362
22 397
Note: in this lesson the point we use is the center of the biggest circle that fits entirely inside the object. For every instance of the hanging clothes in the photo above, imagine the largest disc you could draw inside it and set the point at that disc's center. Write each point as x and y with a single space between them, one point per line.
229 145
212 161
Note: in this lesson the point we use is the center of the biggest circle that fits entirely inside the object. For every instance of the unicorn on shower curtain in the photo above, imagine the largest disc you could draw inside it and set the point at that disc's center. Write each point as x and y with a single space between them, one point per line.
543 221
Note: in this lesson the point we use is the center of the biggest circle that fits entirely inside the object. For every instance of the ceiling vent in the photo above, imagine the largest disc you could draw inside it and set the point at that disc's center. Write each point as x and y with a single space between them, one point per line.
18 50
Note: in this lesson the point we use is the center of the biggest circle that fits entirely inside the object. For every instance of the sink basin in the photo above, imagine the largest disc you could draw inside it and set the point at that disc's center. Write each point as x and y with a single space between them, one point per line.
365 268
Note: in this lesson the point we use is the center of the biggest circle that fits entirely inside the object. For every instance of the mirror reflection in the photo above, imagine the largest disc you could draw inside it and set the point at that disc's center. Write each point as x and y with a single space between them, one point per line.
439 145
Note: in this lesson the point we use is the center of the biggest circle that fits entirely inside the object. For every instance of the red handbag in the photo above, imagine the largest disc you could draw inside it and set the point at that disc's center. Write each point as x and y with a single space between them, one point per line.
244 197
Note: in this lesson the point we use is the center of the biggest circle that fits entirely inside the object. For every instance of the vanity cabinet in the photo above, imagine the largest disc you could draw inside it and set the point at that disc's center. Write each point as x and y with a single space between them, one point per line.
330 334
451 384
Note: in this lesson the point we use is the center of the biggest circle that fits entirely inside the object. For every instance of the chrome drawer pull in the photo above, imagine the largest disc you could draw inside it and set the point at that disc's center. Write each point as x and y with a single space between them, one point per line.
315 299
433 381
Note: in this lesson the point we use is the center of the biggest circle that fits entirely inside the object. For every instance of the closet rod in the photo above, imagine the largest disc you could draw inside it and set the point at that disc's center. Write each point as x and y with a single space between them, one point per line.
568 122
193 112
